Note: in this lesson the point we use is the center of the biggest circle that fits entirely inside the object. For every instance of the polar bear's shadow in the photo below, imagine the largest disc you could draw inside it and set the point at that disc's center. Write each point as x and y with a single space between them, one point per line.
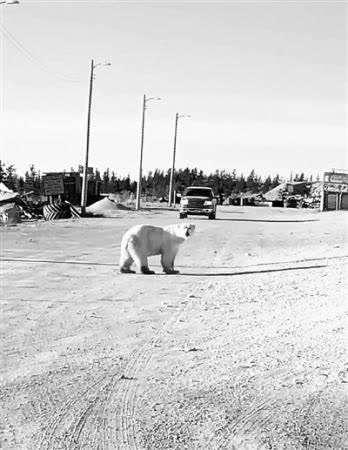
236 273
246 272
249 272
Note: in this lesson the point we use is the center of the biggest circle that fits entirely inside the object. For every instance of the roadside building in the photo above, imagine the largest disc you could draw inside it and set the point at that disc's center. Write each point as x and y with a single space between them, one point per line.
334 192
68 185
329 194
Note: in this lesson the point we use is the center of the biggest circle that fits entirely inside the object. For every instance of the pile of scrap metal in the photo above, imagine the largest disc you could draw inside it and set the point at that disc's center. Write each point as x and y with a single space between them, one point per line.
15 207
313 199
293 195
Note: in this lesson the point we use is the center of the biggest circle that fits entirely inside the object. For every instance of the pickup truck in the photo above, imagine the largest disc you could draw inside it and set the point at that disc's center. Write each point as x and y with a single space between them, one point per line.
198 200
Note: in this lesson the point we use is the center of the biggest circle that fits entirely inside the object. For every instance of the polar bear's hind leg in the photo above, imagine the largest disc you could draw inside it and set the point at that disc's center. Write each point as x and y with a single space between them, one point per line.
125 262
139 259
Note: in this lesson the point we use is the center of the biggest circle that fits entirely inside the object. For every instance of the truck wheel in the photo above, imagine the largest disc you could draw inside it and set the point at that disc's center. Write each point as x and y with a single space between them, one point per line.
182 216
212 216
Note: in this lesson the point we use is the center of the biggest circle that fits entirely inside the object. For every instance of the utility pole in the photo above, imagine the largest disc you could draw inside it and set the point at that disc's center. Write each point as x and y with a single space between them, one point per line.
145 101
84 192
85 167
137 207
173 164
177 116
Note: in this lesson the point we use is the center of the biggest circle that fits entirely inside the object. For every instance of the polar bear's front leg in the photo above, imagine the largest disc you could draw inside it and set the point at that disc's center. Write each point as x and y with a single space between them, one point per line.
146 271
167 261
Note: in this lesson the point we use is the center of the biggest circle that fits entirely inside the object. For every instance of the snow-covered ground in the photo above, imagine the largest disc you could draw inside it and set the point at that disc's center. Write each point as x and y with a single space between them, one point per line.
244 349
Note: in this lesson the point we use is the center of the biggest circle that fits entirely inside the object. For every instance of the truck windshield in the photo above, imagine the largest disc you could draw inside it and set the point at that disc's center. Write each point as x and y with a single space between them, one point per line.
198 193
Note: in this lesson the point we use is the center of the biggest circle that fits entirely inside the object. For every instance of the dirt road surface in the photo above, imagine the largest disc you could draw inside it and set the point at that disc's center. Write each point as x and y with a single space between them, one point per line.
243 350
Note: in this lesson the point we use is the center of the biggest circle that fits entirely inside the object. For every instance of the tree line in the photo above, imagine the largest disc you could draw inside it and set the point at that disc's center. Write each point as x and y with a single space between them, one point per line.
156 183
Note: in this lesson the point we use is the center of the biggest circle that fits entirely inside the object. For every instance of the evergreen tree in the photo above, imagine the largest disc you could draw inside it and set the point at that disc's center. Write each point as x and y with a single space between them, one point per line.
251 182
106 180
2 171
275 181
125 184
267 185
20 184
97 175
240 185
156 183
10 177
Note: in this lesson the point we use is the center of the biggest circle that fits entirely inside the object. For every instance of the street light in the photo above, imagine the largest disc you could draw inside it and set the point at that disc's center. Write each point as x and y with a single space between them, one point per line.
177 116
85 167
145 101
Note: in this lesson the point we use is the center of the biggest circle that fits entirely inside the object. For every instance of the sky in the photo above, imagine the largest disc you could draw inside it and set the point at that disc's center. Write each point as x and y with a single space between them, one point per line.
263 82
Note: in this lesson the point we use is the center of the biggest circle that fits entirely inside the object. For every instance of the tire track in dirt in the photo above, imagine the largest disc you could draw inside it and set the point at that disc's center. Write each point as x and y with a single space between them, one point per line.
263 411
52 427
89 403
64 419
117 396
258 414
99 436
89 415
89 427
123 392
130 398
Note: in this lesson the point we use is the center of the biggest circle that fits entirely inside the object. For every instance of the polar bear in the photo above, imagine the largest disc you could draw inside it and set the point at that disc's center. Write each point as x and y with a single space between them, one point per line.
142 241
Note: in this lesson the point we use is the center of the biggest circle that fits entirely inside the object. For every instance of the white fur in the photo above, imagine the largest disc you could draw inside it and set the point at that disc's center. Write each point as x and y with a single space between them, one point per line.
142 241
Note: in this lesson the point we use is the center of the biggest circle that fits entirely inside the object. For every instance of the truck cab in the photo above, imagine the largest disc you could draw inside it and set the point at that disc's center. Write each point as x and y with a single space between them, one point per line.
199 201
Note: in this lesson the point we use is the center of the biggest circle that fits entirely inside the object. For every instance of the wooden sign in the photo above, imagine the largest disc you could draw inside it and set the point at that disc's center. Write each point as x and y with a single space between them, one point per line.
338 178
53 184
335 187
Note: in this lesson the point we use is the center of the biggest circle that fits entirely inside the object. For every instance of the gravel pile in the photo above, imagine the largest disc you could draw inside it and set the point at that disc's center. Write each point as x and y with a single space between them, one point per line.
106 207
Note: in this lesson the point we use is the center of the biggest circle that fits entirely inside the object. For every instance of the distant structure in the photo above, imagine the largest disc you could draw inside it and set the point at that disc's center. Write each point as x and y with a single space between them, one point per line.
334 195
68 186
291 194
330 194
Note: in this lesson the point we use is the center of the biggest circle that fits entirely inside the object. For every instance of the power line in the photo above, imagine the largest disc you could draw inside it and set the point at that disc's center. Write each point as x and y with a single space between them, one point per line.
32 58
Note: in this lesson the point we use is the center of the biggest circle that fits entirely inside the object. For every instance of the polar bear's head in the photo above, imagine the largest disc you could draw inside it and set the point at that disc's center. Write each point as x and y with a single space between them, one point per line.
185 230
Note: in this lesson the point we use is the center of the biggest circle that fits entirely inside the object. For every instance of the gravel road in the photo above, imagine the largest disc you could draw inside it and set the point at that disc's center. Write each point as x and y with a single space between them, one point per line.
244 349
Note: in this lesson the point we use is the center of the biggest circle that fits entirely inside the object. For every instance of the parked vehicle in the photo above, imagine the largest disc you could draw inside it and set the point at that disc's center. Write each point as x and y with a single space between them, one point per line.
198 200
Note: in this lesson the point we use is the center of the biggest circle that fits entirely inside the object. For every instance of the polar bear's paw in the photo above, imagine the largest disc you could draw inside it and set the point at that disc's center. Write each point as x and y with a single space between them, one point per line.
171 271
124 270
146 271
